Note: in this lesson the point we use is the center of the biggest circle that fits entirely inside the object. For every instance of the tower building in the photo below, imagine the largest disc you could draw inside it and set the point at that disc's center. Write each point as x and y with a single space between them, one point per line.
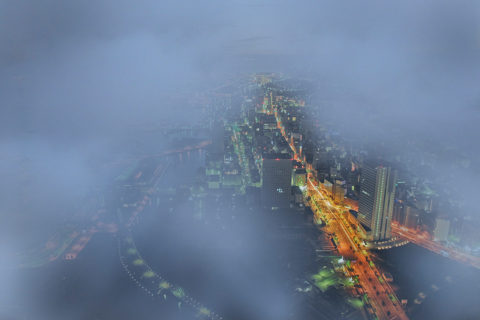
377 196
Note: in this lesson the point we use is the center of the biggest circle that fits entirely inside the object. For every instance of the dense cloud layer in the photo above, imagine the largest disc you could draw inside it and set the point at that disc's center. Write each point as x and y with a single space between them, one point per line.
75 74
64 64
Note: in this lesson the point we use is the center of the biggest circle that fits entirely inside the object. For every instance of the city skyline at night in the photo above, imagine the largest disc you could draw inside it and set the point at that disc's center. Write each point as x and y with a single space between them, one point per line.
239 160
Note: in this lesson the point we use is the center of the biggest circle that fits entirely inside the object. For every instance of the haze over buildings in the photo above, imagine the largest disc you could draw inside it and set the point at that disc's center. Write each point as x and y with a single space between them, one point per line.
205 159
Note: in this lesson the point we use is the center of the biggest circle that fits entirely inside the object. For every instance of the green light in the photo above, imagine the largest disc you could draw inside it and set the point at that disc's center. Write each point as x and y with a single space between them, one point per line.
356 303
138 262
205 311
149 274
178 292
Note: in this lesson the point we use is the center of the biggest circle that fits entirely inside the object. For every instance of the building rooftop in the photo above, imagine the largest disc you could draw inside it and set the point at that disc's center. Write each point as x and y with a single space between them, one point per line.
277 156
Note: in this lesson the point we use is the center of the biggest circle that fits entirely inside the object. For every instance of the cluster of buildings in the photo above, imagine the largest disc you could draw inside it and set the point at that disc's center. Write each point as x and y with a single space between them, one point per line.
252 168
271 119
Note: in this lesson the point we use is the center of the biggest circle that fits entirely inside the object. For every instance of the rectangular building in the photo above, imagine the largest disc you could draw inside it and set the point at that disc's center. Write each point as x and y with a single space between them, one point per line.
338 192
276 180
442 227
377 195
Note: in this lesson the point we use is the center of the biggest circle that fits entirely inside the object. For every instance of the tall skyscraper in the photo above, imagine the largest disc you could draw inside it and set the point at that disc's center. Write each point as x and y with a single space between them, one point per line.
377 195
276 180
217 147
442 226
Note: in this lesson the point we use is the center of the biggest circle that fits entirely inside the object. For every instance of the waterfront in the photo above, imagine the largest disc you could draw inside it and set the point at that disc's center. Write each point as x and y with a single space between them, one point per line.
442 288
250 274
93 286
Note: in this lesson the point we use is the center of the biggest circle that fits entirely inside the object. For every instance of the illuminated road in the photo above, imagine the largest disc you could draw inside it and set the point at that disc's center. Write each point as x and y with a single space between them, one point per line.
381 296
423 240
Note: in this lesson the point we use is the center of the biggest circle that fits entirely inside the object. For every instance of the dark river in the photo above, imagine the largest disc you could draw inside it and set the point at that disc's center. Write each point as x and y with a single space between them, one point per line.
442 288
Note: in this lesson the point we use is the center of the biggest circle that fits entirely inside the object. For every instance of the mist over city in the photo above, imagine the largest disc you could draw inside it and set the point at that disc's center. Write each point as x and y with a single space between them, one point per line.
239 160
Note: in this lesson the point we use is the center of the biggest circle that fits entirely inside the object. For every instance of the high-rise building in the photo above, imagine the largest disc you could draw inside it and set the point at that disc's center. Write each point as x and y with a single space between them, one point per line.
218 145
412 216
338 191
442 226
276 180
399 212
377 195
